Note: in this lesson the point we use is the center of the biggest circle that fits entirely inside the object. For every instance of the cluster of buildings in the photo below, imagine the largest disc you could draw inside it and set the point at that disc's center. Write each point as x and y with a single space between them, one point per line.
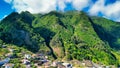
41 61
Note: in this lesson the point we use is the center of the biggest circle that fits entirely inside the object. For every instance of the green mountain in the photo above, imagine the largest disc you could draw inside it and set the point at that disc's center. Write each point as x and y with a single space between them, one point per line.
69 35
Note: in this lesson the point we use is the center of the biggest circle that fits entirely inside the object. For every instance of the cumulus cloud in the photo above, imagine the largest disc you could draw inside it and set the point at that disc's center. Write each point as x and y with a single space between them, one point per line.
61 4
110 11
81 4
97 7
77 4
34 6
44 6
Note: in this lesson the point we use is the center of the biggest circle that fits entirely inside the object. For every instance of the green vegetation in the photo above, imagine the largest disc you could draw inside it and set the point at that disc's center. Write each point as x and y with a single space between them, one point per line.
70 35
108 31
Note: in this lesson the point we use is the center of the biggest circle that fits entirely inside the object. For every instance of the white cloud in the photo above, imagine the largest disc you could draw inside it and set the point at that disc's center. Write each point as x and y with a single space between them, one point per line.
77 4
81 4
110 11
8 1
34 6
61 4
68 1
45 6
97 7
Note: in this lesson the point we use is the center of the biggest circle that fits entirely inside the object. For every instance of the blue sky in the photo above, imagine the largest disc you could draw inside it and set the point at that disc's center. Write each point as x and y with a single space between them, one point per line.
105 8
5 9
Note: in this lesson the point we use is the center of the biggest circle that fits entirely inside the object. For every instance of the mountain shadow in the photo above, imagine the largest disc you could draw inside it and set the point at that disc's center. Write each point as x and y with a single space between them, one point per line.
105 35
47 34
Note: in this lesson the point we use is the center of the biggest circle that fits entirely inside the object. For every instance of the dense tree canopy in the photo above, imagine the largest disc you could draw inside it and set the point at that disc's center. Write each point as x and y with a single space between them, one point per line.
69 35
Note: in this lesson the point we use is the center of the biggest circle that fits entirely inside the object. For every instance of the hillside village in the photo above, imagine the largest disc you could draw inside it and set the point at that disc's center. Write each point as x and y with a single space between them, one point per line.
59 33
58 40
40 60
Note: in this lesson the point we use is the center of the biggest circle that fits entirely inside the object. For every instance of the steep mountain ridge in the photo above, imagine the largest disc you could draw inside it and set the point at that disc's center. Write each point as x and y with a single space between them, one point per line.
70 35
108 31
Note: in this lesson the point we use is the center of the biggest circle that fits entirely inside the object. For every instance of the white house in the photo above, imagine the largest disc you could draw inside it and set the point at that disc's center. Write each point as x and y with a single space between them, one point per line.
67 65
107 66
25 61
54 64
27 56
11 50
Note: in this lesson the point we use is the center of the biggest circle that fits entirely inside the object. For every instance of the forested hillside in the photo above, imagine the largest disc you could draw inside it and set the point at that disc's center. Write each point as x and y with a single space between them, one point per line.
68 36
